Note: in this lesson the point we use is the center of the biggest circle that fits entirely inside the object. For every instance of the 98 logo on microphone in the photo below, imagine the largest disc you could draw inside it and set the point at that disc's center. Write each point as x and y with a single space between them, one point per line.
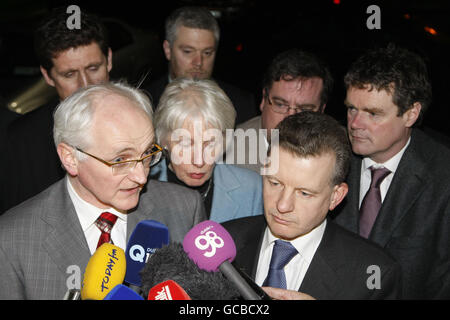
209 240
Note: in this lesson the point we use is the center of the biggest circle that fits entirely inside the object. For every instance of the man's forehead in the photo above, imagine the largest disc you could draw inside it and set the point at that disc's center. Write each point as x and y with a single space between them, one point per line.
84 54
191 36
298 84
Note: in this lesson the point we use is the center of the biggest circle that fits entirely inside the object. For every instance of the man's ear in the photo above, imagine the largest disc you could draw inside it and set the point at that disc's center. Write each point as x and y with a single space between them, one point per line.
412 114
47 76
339 193
68 159
167 49
263 97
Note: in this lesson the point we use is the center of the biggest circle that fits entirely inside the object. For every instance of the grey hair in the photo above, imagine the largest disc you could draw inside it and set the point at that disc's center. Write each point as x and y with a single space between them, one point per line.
191 17
185 98
73 116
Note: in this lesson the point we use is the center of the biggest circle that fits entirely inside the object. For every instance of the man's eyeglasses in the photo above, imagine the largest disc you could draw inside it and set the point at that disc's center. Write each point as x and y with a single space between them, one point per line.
151 157
283 108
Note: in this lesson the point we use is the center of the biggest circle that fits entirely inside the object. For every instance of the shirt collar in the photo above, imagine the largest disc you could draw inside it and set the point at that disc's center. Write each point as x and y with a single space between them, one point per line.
87 213
306 245
391 164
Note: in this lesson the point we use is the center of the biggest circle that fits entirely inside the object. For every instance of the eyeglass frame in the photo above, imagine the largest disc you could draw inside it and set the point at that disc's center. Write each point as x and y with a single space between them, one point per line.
112 164
288 107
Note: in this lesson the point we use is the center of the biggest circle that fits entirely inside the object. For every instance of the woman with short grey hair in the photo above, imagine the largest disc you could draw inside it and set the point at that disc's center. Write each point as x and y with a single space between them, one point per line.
190 123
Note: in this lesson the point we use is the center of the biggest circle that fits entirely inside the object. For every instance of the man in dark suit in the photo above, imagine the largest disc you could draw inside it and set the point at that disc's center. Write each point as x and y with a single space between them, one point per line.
69 60
293 246
190 45
388 90
105 140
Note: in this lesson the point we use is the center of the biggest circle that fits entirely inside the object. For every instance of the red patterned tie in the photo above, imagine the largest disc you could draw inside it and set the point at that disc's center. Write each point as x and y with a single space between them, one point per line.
105 222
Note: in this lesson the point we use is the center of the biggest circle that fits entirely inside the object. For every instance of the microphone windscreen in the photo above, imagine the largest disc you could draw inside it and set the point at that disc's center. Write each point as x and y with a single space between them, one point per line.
148 235
121 292
208 244
168 290
172 263
105 270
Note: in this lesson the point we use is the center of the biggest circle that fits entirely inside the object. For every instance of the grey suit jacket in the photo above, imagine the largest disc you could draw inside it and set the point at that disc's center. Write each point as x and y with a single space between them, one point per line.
413 224
41 240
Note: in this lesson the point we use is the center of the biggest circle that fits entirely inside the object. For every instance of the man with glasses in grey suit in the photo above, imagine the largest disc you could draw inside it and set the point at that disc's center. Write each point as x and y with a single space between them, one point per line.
105 140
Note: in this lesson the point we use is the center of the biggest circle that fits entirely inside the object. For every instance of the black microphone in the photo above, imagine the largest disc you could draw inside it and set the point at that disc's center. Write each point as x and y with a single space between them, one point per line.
172 263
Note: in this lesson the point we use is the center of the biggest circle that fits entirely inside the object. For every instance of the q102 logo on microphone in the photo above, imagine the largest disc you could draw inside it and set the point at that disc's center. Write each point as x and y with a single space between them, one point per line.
209 240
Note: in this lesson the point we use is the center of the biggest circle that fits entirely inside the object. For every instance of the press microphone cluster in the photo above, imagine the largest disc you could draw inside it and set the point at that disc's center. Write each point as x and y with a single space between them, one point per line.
112 273
151 268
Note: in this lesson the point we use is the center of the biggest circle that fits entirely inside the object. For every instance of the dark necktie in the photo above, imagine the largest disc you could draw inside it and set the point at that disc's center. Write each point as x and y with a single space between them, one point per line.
282 253
105 222
371 203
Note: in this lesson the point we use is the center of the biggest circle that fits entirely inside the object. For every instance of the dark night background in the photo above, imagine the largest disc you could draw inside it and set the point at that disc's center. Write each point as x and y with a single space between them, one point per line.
252 32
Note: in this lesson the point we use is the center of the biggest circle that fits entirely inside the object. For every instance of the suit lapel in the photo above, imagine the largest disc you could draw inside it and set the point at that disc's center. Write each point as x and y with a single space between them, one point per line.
66 244
401 196
321 280
249 245
135 216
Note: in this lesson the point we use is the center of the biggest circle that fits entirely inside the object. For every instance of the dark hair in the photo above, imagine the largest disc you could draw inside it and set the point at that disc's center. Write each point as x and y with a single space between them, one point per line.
295 63
312 134
396 70
191 17
52 35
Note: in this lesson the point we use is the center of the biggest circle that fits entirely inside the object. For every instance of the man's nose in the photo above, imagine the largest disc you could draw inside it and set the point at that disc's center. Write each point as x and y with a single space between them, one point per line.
286 201
84 80
197 60
139 174
355 121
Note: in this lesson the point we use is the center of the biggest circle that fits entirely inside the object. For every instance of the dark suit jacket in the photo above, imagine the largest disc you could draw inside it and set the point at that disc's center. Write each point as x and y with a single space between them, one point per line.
31 161
413 224
338 269
42 237
243 101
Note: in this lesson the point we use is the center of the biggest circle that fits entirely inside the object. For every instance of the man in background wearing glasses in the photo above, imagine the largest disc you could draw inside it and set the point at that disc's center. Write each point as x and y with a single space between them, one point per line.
106 143
295 81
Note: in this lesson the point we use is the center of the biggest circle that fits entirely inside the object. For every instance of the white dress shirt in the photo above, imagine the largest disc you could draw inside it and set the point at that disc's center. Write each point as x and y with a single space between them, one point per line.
87 214
366 176
295 269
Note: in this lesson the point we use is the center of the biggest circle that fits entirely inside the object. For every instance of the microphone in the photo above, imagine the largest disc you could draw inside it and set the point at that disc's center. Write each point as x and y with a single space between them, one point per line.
211 247
105 270
72 294
172 263
147 236
168 290
121 292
